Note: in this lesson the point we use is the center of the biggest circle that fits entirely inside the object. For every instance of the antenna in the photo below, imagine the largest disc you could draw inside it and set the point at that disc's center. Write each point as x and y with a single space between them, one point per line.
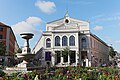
66 14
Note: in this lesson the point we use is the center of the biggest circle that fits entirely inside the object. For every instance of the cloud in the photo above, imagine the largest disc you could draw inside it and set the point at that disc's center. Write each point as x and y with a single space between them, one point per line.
34 21
108 39
29 25
107 17
97 28
97 16
111 18
86 2
81 2
46 6
117 42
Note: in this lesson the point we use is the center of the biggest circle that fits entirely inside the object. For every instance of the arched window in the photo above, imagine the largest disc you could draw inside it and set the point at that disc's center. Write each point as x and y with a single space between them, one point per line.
64 41
84 43
72 41
57 41
48 42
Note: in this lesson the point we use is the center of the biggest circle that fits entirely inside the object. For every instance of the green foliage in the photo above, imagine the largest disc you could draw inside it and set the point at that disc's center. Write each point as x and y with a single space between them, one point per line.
2 73
112 53
19 50
69 73
66 51
2 49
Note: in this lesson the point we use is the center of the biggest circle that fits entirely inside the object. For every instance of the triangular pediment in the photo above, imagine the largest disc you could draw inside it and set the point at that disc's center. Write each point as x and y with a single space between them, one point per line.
61 24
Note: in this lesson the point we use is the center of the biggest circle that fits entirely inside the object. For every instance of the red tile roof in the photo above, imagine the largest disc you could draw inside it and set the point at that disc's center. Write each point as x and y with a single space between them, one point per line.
2 24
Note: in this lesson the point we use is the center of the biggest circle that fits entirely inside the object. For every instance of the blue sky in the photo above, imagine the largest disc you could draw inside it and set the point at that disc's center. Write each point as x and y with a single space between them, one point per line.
32 15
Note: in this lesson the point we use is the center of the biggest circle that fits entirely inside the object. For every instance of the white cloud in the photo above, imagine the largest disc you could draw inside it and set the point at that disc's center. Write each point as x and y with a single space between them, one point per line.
117 42
81 2
97 28
34 21
86 2
107 17
46 6
29 25
111 18
97 16
108 39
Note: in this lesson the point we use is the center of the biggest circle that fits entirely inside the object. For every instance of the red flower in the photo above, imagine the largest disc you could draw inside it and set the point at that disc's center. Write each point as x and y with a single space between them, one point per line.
76 74
68 74
115 78
25 75
63 74
58 72
62 68
106 73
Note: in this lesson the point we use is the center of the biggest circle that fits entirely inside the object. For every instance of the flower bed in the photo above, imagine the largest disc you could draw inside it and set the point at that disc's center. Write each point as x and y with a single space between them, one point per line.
68 73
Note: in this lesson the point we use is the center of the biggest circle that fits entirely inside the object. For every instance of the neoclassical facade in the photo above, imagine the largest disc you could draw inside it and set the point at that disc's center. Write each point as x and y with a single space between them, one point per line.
73 35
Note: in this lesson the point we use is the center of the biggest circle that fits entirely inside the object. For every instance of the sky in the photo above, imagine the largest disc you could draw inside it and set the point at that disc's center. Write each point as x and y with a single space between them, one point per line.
32 16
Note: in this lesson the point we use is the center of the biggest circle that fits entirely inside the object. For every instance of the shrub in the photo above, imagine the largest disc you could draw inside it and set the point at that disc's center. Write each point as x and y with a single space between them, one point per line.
69 73
2 73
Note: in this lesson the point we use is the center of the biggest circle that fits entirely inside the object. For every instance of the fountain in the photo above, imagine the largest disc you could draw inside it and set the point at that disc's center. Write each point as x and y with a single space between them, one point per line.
26 54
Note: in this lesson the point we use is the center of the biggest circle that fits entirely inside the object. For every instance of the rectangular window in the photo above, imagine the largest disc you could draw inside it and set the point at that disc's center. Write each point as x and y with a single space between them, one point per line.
1 36
1 29
94 43
58 56
72 57
83 54
47 56
65 56
91 42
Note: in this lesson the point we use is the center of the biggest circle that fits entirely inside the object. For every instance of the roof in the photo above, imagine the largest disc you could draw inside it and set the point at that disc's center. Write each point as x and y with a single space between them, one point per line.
4 25
55 20
66 16
70 18
98 38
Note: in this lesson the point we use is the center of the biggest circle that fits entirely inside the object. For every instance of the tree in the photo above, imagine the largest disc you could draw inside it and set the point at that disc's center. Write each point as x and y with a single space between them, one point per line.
66 51
19 50
112 53
2 49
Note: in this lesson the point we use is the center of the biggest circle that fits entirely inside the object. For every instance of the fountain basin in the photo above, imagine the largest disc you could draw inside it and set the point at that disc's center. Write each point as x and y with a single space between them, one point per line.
27 35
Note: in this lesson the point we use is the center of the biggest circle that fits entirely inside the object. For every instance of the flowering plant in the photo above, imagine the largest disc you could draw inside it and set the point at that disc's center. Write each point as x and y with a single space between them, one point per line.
68 73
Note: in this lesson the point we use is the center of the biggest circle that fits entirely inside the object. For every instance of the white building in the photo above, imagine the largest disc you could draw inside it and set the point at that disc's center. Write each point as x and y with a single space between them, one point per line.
86 48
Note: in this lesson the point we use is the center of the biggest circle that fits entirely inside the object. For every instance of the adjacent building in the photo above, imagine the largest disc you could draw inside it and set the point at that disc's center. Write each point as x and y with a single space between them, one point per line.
7 36
83 47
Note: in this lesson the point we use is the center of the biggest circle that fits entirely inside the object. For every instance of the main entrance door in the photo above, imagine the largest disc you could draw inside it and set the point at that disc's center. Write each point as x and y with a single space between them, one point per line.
83 55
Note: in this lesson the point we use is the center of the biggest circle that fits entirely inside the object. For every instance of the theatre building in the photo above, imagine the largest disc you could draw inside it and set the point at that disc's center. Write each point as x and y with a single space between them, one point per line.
73 35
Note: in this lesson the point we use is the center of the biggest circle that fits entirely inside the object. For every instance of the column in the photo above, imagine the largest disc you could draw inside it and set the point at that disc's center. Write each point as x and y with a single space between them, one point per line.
87 62
68 59
89 57
53 59
80 60
61 58
76 57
